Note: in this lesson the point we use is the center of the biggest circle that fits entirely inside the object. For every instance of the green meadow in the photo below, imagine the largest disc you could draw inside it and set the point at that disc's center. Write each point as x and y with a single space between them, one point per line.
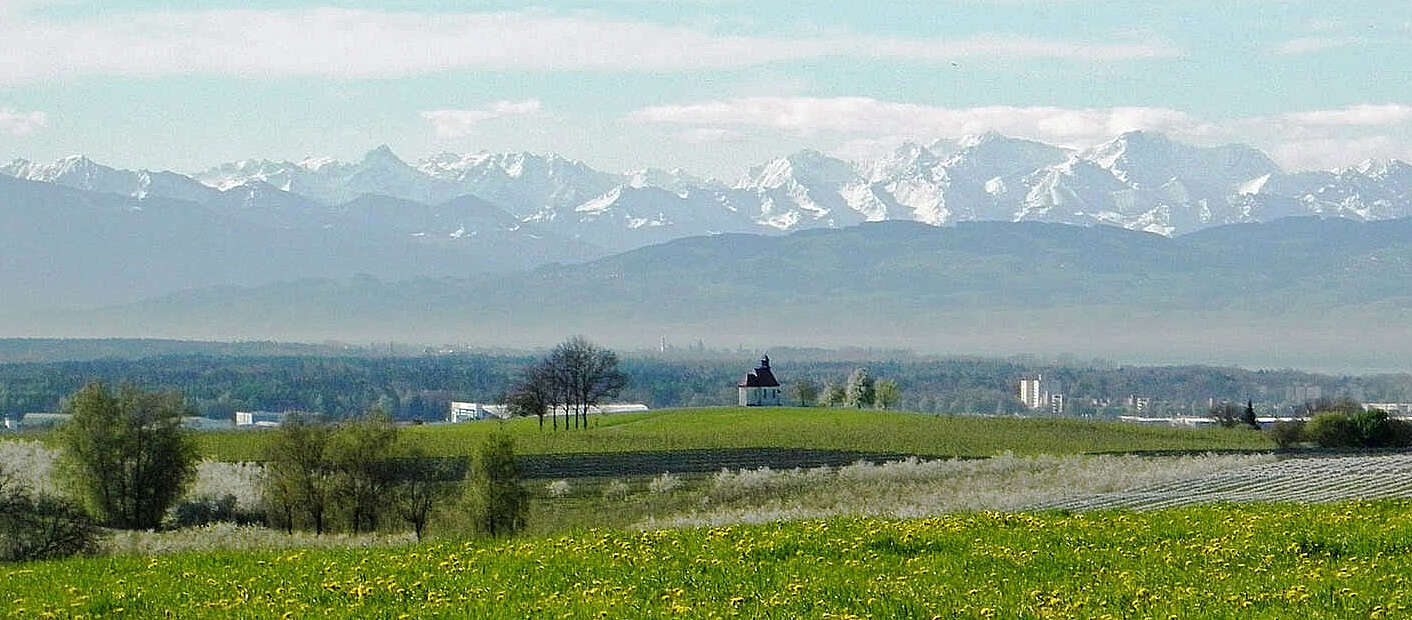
1349 560
813 428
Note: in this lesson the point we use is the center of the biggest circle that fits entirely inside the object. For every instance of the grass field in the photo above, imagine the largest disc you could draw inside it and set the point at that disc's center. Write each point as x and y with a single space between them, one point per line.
834 429
1350 560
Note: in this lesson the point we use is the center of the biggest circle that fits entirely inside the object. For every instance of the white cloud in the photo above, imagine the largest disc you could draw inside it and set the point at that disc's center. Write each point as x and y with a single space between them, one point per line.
862 128
864 116
1307 45
21 123
461 123
1333 137
707 135
361 43
1367 115
1337 152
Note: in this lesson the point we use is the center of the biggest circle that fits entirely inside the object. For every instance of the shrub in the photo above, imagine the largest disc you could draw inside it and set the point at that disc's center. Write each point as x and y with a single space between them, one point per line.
1332 430
40 527
1399 433
616 489
497 502
243 481
1358 429
1286 433
30 464
558 488
1374 430
206 510
665 483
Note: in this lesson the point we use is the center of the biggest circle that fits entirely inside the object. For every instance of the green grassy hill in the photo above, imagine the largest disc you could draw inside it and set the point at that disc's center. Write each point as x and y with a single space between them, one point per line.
827 429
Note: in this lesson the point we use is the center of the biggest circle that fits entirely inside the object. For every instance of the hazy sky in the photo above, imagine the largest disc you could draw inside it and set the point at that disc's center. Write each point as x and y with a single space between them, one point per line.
711 85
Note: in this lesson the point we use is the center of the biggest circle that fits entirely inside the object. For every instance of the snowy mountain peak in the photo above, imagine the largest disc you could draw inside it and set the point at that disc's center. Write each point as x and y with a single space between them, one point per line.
807 167
908 159
992 154
975 140
382 156
1140 180
80 172
676 180
1149 159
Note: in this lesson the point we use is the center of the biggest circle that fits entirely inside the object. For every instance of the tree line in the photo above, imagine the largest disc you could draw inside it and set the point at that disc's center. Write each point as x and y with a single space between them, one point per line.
412 388
860 391
125 460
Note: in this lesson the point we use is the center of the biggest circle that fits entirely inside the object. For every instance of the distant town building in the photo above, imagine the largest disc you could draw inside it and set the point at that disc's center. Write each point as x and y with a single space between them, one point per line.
36 421
1396 410
1303 393
466 412
258 419
469 412
1139 404
1040 394
759 388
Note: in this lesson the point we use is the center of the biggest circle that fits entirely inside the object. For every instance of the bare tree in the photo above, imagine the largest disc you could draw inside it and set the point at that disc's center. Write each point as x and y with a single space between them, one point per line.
583 375
533 394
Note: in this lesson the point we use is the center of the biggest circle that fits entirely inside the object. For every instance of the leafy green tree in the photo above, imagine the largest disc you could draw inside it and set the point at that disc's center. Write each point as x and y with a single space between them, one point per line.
887 393
299 481
805 391
495 498
860 389
834 395
360 453
125 456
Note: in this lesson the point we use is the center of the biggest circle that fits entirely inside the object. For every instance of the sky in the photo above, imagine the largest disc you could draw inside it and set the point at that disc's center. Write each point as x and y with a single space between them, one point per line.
713 86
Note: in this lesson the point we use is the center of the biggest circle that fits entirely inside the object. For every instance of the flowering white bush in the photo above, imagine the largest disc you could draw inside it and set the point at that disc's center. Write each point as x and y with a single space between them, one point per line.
31 464
557 488
215 480
665 483
229 536
918 488
616 489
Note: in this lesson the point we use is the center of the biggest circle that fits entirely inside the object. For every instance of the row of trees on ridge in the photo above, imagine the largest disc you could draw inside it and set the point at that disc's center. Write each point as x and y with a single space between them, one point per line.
860 391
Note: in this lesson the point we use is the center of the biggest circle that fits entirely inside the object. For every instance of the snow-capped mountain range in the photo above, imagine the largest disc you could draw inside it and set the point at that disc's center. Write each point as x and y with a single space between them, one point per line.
1139 180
